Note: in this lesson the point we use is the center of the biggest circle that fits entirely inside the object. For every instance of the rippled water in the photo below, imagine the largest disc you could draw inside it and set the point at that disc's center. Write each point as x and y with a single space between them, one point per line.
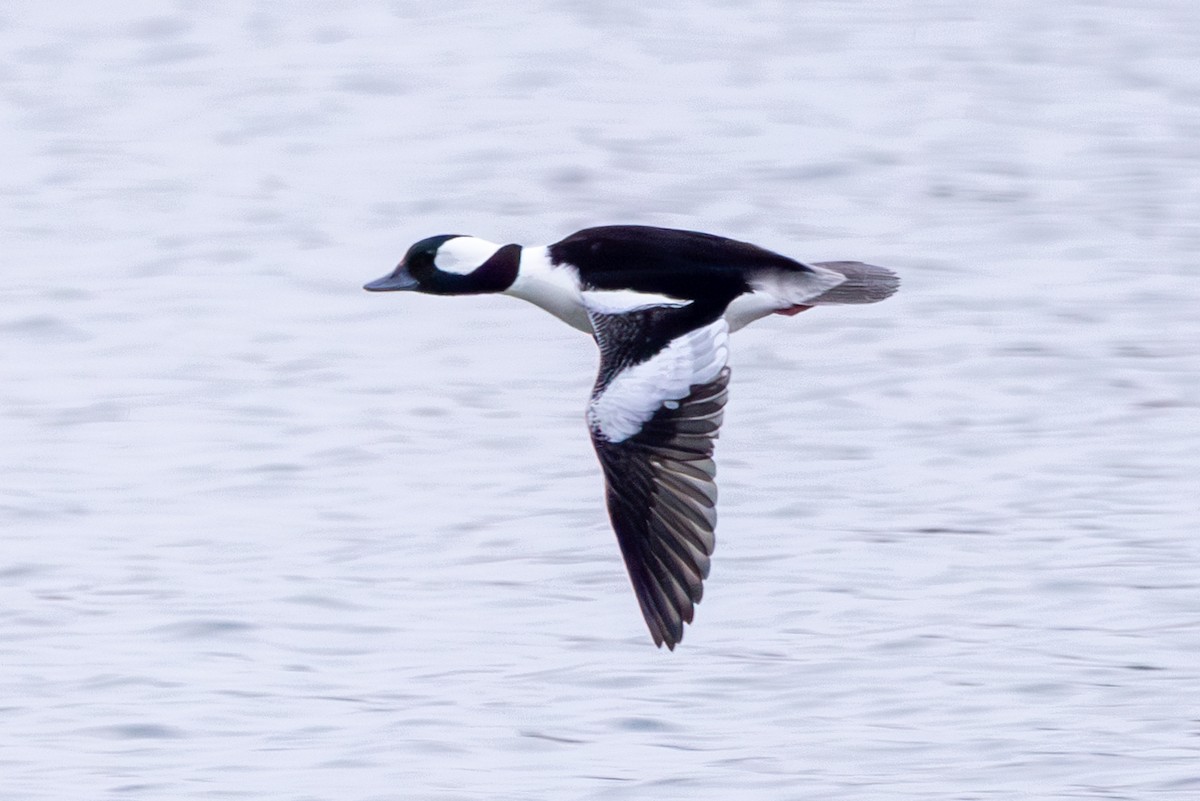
267 536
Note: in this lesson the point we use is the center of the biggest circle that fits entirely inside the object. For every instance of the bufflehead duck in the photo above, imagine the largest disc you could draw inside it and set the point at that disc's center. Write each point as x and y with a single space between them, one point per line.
661 304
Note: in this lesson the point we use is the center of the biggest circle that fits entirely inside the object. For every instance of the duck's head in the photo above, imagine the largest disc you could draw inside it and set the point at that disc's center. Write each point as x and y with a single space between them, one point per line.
452 264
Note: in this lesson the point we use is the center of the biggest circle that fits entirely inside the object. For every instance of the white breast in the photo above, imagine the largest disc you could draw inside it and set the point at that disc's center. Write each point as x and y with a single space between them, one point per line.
553 288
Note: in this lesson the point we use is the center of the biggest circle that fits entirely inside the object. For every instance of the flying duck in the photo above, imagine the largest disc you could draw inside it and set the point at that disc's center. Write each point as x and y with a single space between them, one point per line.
660 304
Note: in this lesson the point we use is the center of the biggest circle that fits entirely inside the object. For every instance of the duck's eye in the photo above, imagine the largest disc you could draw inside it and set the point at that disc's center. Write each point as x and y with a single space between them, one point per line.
420 265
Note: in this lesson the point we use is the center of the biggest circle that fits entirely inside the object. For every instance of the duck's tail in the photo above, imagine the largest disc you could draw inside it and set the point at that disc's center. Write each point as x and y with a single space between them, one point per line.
865 283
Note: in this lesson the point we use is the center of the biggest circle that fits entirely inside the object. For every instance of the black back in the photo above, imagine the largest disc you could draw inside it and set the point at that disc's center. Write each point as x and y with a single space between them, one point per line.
682 264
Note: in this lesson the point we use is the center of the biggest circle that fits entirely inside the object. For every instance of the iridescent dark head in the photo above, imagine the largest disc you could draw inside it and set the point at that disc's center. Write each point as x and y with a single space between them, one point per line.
452 264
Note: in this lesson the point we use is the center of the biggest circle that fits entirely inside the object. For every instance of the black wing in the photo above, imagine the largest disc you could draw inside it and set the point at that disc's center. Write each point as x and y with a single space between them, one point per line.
653 419
683 264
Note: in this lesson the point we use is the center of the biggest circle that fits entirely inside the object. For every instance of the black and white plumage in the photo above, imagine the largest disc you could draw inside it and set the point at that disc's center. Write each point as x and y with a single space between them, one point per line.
661 304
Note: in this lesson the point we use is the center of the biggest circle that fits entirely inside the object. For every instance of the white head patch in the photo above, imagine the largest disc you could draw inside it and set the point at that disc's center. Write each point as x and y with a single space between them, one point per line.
463 255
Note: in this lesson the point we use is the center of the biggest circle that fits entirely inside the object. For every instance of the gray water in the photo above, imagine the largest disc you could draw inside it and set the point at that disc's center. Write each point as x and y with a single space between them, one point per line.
266 536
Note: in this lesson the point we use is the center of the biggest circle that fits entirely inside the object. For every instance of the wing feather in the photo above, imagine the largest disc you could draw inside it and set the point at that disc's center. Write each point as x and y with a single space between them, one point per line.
654 415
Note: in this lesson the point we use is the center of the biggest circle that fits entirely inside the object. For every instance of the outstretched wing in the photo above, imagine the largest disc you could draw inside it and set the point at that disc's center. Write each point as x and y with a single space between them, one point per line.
654 413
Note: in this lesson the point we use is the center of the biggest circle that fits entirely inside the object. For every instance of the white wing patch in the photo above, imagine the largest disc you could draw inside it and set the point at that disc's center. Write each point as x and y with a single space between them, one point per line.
623 301
634 395
462 255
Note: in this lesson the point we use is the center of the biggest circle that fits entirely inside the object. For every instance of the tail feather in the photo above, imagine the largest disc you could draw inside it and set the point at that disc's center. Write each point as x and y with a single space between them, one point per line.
865 283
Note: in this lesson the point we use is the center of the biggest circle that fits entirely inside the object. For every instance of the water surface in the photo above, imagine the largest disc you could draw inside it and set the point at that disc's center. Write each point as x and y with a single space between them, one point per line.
266 536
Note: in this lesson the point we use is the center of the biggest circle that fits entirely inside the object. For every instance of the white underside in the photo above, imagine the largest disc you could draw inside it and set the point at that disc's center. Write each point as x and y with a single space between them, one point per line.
624 301
752 306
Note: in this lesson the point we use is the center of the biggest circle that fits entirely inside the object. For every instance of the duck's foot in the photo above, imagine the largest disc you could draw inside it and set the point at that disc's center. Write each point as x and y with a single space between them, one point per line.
792 311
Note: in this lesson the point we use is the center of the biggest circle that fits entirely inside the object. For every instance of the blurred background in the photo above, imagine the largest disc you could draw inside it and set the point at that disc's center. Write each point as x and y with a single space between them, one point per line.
265 536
